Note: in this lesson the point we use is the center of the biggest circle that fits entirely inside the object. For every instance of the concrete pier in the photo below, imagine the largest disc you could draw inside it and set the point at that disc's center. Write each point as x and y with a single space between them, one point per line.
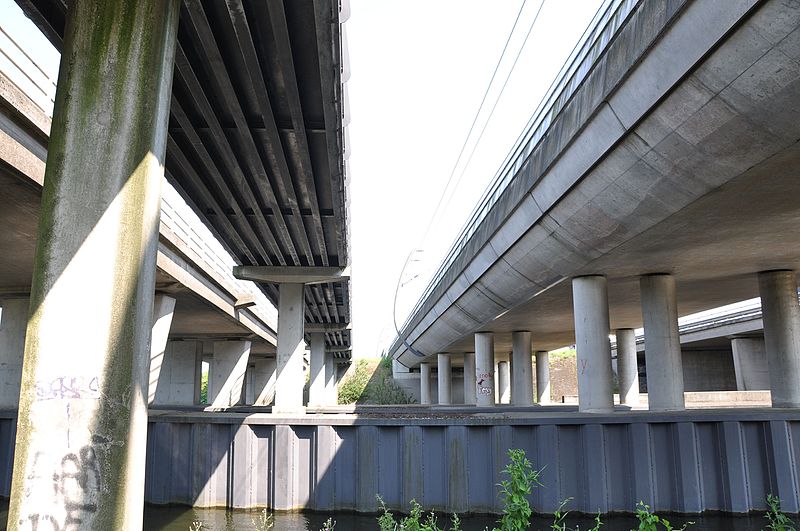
13 323
163 310
263 381
750 363
291 346
627 368
543 377
177 382
316 391
590 302
331 394
662 343
522 369
226 380
781 314
484 369
445 379
83 400
504 382
424 383
469 378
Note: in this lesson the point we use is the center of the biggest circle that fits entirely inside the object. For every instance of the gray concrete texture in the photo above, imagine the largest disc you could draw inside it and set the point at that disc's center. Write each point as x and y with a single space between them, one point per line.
680 106
688 462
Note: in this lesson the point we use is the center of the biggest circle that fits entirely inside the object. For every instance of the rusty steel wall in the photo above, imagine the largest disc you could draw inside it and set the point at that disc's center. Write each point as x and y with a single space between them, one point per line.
685 462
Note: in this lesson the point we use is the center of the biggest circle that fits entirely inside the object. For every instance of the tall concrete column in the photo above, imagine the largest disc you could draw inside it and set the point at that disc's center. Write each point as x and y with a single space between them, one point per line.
425 383
522 384
750 363
83 400
264 378
484 368
331 394
781 315
177 381
13 323
163 309
504 382
316 390
590 301
445 379
542 377
291 320
662 347
627 368
469 378
227 373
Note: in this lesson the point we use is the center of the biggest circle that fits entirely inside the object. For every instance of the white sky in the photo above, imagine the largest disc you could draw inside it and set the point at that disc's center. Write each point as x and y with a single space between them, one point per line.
419 69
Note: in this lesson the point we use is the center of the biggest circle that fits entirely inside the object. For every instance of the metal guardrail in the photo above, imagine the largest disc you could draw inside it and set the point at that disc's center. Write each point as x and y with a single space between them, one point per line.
605 24
26 73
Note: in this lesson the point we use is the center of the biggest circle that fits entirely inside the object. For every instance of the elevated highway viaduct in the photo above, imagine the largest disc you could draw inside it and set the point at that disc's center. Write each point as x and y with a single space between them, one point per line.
659 179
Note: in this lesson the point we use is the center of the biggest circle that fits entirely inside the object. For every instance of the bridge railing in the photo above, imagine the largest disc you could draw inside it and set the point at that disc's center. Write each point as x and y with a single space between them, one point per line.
25 72
605 24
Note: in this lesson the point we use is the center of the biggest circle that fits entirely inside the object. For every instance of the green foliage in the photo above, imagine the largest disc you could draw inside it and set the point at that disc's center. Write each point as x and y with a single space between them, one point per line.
778 521
522 478
649 521
204 389
351 389
263 522
417 520
560 516
364 386
328 525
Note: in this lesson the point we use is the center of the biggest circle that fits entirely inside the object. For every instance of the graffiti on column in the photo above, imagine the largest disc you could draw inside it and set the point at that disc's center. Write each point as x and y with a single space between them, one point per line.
67 387
485 384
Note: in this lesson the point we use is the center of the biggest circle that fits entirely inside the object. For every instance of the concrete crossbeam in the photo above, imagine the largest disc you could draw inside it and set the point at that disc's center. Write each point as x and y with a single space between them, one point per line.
291 274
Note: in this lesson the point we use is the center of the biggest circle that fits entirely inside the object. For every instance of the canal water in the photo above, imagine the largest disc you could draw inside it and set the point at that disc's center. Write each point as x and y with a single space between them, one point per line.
182 519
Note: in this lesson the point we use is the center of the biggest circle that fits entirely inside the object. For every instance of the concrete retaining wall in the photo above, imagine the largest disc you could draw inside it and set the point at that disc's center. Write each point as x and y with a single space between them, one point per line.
688 462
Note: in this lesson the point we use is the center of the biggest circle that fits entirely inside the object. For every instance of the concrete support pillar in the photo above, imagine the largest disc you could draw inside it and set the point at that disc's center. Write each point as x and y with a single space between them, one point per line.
264 378
425 383
83 399
316 390
484 368
627 368
590 301
163 309
781 315
445 377
177 380
542 377
504 382
662 345
227 373
291 320
469 378
750 363
331 391
13 323
522 374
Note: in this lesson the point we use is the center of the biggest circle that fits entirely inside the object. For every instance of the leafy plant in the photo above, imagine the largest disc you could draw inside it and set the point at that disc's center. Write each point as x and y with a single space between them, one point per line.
649 521
778 521
264 521
204 392
328 525
560 516
522 478
197 525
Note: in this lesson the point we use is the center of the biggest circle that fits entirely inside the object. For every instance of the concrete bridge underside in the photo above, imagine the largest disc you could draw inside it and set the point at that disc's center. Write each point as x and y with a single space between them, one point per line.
685 164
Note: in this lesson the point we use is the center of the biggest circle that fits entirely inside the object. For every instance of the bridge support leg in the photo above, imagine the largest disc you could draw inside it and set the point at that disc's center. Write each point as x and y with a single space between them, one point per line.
504 382
445 377
331 394
627 368
176 382
484 368
163 309
662 345
83 399
522 384
227 373
264 376
469 378
316 391
750 363
424 383
781 314
590 300
13 323
542 377
291 346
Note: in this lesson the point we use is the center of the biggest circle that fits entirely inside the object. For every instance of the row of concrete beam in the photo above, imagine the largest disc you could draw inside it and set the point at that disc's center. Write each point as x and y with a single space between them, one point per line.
781 316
